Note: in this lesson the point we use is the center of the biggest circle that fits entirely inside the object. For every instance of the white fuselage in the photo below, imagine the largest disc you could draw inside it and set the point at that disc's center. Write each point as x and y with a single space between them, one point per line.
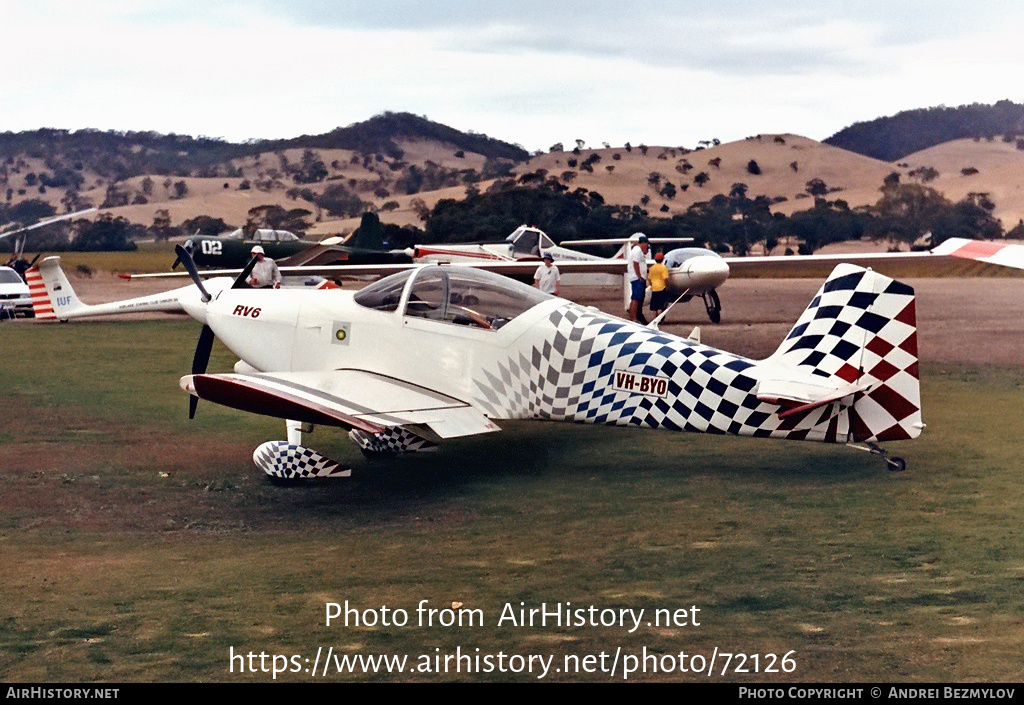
517 353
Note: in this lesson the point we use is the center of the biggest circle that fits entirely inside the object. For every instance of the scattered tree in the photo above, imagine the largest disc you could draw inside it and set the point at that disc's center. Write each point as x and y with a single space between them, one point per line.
816 187
205 225
162 228
106 233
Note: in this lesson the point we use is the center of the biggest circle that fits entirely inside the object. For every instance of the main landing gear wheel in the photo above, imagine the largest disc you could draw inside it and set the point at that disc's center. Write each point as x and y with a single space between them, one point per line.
713 305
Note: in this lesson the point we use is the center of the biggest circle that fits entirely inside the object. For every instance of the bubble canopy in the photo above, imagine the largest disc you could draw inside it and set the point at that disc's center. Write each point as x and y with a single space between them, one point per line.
458 295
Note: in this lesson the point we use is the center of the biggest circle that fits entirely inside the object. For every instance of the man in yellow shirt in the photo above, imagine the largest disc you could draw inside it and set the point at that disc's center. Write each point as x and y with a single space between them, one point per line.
658 276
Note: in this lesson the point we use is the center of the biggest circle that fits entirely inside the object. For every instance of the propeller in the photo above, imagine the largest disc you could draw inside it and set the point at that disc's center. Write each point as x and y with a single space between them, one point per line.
188 247
186 259
204 347
199 362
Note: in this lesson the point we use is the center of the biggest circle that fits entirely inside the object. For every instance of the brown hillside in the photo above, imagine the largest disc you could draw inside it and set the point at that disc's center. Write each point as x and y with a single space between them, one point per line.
1000 173
786 164
623 177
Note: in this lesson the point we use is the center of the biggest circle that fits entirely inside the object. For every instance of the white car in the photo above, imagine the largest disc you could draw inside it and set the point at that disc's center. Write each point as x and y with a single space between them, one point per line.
15 299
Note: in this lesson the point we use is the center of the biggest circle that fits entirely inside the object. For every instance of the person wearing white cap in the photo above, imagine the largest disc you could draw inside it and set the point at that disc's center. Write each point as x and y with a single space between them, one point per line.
636 271
265 274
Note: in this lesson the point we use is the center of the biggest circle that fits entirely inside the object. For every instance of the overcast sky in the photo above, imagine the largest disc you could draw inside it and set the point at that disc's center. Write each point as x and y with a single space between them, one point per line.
533 72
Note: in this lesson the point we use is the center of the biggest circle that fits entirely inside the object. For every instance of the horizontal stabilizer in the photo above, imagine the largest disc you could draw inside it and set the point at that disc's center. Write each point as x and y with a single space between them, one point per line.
843 393
805 392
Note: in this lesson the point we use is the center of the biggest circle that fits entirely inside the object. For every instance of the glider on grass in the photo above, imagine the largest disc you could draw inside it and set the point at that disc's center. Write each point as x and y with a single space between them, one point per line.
441 352
53 296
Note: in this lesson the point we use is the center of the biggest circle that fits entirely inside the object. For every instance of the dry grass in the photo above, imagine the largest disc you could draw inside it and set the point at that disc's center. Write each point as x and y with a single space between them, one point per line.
149 257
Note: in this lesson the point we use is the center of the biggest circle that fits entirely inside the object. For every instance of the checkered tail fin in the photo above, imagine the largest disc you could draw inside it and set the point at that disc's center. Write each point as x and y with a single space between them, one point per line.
861 328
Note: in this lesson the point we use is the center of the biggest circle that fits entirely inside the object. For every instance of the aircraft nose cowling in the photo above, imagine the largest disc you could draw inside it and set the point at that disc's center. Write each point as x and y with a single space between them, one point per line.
707 272
194 306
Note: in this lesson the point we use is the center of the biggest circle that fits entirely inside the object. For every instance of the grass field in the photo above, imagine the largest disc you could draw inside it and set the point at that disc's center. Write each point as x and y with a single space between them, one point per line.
139 546
149 257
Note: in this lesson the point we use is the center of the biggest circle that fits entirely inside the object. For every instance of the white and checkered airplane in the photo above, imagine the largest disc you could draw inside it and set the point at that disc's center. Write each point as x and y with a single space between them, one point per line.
439 352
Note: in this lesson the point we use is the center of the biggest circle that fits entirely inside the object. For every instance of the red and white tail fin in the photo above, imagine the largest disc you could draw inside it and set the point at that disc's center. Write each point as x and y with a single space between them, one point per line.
41 303
52 293
861 330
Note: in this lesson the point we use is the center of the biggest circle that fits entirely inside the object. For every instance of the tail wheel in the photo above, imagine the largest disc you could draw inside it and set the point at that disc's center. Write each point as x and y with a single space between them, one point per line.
895 464
714 306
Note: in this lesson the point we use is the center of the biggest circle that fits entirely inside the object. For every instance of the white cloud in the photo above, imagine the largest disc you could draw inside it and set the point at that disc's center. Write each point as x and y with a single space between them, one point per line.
530 72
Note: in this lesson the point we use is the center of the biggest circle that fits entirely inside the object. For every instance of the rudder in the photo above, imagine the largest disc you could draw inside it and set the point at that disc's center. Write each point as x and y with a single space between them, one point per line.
52 293
861 327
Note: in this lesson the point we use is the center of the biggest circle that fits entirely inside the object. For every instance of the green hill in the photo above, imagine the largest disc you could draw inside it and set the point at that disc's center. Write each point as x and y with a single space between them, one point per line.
894 137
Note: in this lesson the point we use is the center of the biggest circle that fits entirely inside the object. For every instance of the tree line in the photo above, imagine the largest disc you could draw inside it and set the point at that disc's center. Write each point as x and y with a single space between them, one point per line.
894 137
906 216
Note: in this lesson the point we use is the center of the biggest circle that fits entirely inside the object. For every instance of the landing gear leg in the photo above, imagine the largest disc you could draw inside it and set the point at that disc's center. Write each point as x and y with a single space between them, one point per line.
296 429
892 462
713 305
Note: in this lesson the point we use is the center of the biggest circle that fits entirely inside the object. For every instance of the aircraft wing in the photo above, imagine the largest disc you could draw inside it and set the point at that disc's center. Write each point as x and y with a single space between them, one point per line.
506 267
624 240
865 259
1004 254
354 399
42 223
332 253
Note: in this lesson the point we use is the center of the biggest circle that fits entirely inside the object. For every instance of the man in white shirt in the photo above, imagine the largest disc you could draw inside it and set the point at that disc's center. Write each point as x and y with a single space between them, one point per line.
636 271
265 274
547 276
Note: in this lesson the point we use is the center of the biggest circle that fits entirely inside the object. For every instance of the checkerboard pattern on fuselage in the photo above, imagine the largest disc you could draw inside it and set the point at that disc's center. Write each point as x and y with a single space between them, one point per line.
859 321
